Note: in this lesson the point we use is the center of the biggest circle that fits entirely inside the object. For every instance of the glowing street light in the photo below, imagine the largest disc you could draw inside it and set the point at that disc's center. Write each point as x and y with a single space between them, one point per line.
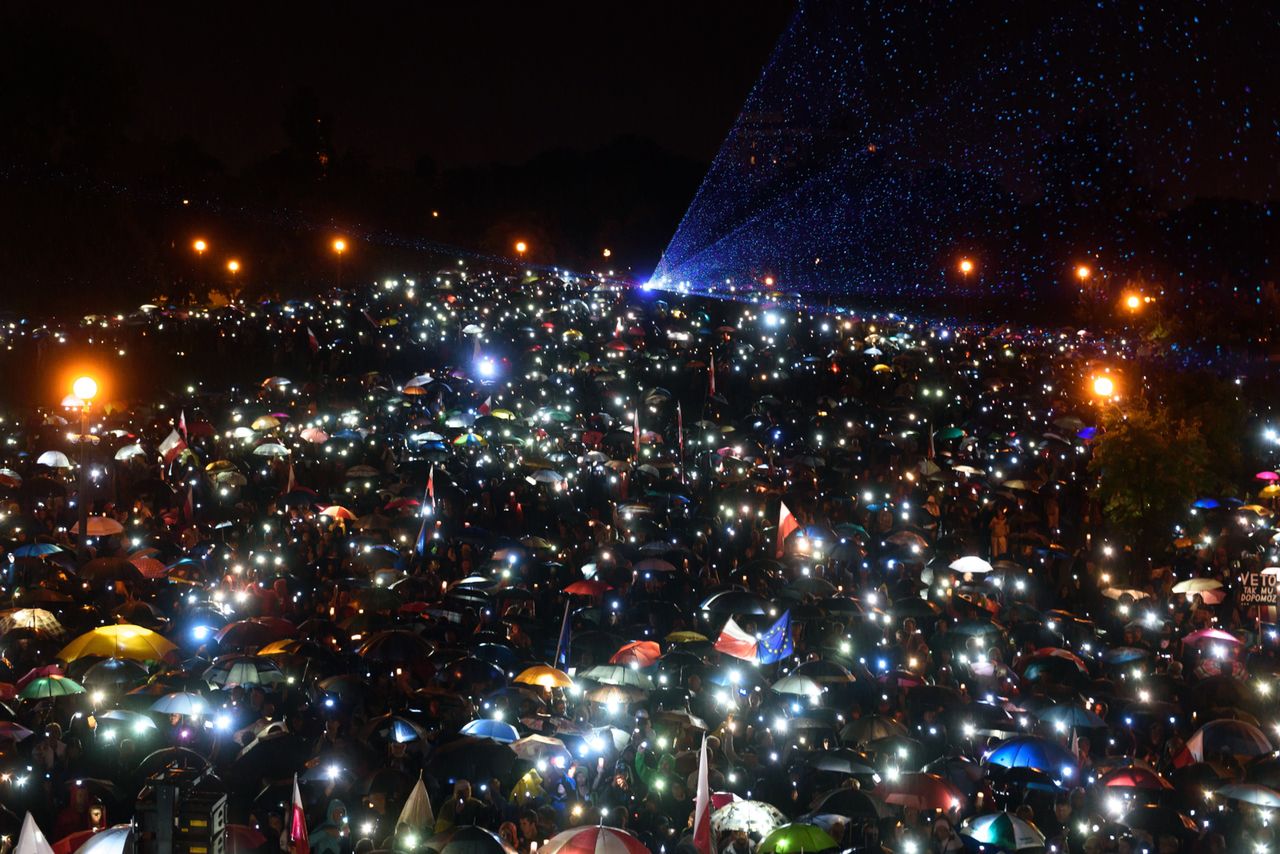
1083 272
85 388
521 247
1133 302
1104 386
233 266
966 266
200 246
339 245
607 252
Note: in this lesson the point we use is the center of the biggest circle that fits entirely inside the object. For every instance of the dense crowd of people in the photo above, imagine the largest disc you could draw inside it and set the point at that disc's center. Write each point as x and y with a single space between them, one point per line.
491 561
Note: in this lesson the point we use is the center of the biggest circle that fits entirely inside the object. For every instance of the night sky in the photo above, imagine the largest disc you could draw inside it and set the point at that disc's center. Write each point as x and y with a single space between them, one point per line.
465 83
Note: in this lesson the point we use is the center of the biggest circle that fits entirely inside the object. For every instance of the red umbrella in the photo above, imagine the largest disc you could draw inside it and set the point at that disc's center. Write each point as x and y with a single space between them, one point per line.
38 672
149 567
67 844
643 653
243 839
594 839
1134 777
588 588
922 791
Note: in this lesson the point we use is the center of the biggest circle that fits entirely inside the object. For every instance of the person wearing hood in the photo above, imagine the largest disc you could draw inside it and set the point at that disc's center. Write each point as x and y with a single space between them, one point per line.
331 836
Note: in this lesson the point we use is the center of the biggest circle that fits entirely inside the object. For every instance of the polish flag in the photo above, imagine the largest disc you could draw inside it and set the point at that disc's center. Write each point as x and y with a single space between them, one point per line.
172 446
297 824
702 805
312 341
735 641
786 524
182 422
487 406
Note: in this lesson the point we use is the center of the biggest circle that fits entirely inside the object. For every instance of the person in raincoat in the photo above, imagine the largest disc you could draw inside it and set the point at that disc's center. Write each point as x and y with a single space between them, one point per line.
331 836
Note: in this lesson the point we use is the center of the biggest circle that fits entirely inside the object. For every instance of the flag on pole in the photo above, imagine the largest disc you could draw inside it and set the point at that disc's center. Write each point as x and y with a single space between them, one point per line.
735 641
431 487
312 341
680 436
172 447
787 523
776 644
31 840
298 824
182 422
487 406
711 377
702 805
562 645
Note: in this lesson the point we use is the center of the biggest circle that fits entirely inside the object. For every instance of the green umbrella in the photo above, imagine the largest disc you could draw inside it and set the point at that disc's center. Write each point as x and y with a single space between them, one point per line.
50 686
1004 831
797 837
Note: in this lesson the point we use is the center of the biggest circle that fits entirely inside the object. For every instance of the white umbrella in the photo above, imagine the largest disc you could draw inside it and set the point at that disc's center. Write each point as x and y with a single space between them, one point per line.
53 459
801 686
754 818
970 564
103 526
113 840
128 452
181 703
271 449
31 840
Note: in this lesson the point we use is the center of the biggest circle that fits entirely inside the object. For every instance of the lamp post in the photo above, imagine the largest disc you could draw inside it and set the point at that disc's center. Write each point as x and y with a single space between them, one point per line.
339 249
85 389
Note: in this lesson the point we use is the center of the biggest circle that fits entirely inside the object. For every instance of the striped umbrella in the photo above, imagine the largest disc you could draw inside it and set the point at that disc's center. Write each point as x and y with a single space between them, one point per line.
1004 831
594 840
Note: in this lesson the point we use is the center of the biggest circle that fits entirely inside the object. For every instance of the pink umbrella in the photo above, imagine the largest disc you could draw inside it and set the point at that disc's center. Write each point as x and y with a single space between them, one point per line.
1267 476
1207 635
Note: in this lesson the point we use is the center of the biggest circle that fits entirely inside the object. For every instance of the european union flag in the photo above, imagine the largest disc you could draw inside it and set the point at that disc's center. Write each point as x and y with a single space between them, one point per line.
776 644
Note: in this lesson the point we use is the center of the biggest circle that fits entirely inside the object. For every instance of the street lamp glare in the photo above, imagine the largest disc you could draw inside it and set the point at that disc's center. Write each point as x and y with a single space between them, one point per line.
339 246
966 266
1104 386
1133 301
85 388
233 265
521 247
200 246
1083 272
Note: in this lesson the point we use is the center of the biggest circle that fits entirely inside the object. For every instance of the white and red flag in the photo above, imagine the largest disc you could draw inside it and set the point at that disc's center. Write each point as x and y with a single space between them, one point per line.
787 523
172 446
298 824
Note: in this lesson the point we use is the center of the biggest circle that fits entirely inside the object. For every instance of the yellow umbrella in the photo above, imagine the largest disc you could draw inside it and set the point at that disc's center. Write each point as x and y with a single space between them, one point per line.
504 414
1270 491
125 641
685 637
545 677
265 422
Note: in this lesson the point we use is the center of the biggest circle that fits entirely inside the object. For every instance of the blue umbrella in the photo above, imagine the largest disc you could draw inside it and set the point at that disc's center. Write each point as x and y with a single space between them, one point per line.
499 731
1071 716
36 550
1026 751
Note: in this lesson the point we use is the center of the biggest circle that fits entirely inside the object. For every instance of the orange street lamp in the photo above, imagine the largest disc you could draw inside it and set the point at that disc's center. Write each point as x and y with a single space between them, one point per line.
966 266
85 388
521 247
233 266
200 246
1104 386
1133 302
339 245
1083 272
607 252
